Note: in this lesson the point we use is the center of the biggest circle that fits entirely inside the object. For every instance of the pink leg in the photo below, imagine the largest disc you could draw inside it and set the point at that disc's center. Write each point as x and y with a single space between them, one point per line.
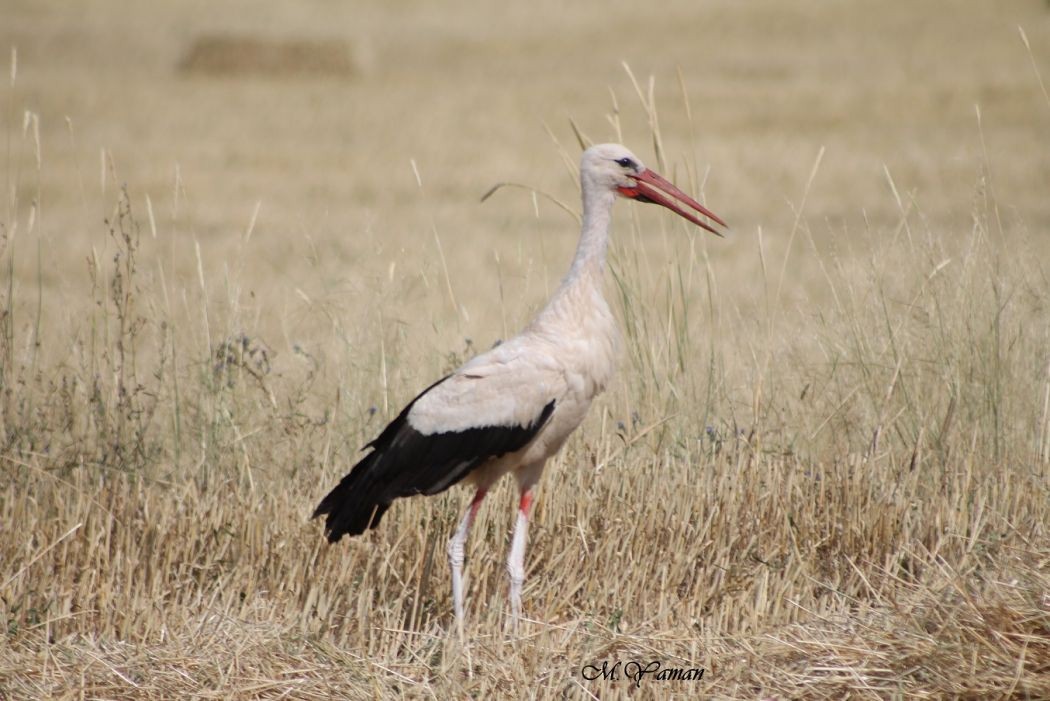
516 560
456 550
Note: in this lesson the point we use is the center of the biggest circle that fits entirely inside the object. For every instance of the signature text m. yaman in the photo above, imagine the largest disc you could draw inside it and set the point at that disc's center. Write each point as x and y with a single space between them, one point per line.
638 672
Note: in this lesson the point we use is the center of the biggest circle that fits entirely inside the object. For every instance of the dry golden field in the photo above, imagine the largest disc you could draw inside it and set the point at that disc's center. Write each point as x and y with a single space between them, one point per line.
234 239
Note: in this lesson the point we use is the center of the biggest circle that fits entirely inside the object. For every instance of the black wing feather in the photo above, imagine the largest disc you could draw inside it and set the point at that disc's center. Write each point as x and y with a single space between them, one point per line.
404 462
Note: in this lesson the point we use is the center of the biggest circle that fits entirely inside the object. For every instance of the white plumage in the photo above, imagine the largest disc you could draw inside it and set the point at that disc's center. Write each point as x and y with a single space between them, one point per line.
511 408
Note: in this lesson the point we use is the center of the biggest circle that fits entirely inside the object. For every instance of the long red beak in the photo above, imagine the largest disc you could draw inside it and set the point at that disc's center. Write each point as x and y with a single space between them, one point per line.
651 187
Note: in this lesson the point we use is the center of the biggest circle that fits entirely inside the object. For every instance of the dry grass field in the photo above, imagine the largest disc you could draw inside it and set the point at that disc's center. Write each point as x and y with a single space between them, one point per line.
233 241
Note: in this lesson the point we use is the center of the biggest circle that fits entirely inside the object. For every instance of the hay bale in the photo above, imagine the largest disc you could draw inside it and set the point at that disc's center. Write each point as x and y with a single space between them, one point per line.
245 55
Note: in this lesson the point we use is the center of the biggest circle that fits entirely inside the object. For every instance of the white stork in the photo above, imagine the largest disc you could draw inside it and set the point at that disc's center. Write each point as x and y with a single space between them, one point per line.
513 407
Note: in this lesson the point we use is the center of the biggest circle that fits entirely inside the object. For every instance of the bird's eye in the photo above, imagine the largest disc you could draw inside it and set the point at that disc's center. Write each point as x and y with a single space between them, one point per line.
626 163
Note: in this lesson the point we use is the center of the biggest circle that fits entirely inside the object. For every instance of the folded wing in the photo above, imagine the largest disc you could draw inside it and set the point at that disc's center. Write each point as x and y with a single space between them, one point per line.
494 405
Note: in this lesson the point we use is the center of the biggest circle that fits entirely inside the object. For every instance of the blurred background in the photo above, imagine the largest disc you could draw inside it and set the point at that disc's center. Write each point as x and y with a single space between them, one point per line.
351 137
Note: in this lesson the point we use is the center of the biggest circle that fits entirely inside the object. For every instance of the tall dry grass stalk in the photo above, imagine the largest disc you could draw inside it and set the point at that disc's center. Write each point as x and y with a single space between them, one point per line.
823 493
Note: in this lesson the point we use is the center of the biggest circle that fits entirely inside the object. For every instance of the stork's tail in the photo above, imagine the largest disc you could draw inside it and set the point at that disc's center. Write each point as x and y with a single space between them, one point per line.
354 505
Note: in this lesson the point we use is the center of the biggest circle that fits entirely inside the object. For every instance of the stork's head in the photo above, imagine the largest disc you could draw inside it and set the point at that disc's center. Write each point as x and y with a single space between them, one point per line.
612 167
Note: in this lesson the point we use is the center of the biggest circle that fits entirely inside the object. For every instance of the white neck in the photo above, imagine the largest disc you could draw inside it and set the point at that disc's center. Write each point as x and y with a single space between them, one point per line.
594 236
581 288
